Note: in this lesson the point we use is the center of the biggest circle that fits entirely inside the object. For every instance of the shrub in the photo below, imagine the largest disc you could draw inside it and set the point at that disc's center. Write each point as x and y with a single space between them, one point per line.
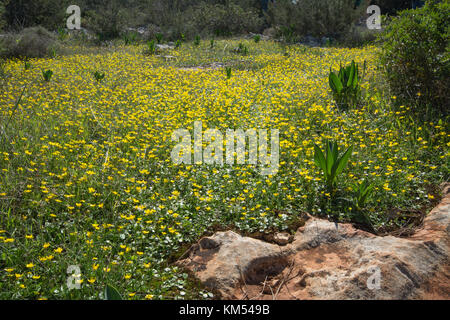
107 19
222 20
2 15
32 42
319 18
392 6
25 13
358 36
416 58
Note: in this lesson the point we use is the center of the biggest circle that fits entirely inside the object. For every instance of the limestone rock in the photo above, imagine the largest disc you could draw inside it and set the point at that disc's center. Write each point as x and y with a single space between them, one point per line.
327 260
282 238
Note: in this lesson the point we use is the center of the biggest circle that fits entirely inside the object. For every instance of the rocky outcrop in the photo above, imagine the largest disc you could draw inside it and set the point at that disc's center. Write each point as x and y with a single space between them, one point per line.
330 261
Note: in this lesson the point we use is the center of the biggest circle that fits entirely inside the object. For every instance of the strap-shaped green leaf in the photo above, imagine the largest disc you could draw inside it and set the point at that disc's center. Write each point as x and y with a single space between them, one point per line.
342 162
329 157
111 293
319 158
351 74
334 152
335 83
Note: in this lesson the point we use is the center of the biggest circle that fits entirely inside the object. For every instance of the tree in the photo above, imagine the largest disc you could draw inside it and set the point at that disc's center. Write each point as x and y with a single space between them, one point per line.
27 13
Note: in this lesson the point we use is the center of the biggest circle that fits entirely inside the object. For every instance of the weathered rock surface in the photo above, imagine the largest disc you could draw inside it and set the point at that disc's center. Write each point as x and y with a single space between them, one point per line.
330 261
282 238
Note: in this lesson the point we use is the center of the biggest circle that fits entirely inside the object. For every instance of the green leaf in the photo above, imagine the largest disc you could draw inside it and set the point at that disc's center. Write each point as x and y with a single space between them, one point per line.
342 162
351 74
319 158
329 157
111 293
335 83
334 152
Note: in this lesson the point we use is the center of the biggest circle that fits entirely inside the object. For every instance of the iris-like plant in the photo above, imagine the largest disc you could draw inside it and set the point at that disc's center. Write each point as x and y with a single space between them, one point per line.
228 71
362 193
241 49
151 47
345 85
257 38
197 41
47 75
129 38
159 37
330 162
62 34
177 44
99 76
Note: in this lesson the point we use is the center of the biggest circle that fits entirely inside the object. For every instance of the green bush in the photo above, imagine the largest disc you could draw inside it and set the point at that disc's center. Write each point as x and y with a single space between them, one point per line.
222 20
318 18
29 13
2 15
358 36
392 6
35 42
416 59
106 19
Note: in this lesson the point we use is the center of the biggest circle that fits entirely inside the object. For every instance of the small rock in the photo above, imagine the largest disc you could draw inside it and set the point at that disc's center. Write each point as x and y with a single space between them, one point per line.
282 238
164 47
